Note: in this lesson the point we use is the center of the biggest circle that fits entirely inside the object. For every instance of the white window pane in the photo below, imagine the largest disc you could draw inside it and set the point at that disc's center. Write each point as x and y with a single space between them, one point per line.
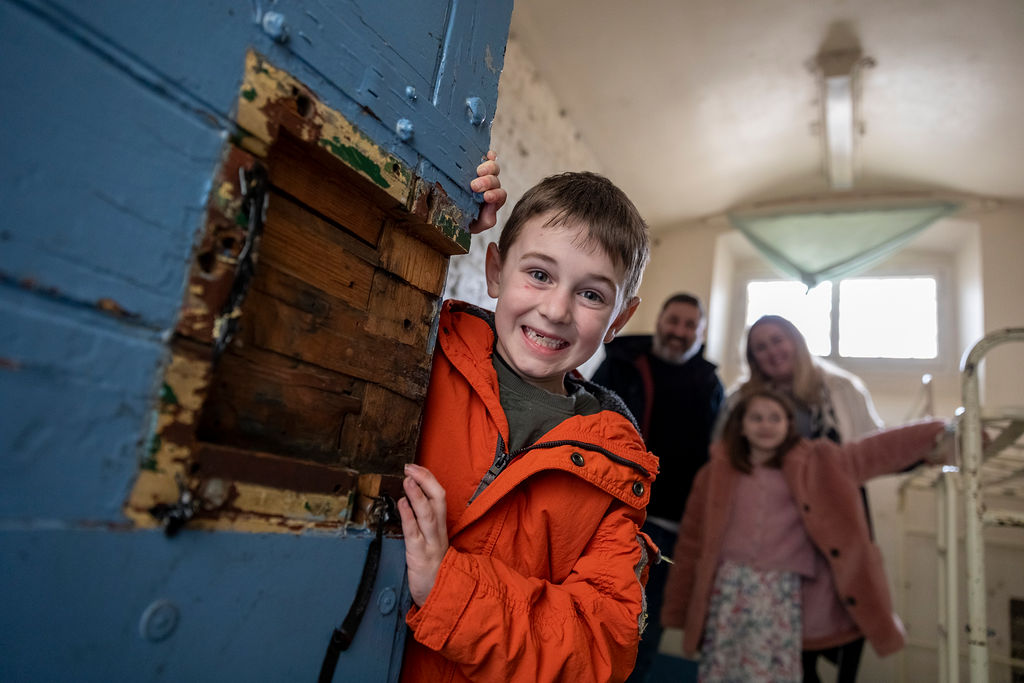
810 311
888 318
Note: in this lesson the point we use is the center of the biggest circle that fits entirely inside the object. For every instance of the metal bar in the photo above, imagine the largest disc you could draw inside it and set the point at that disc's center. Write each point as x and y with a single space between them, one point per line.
942 556
952 571
1003 518
948 549
974 506
1006 437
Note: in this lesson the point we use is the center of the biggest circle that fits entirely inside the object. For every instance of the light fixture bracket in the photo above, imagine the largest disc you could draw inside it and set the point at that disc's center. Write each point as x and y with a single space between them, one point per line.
838 72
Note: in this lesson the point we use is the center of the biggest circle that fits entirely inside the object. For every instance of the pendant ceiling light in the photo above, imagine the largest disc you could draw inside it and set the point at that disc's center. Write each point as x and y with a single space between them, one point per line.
843 235
827 244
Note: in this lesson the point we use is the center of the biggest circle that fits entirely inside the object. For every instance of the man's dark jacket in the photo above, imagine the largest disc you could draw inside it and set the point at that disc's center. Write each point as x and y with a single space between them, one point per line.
677 427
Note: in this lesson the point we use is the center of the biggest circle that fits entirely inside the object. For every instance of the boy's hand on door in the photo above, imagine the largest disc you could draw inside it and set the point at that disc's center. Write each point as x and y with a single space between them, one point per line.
424 514
487 184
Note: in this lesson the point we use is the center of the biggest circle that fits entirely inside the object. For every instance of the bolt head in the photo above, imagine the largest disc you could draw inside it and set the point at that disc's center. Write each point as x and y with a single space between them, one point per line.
404 129
476 110
387 600
158 621
274 26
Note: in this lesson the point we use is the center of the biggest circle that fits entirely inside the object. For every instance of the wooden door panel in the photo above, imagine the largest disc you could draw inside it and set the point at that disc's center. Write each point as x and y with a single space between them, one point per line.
316 180
298 243
258 397
303 323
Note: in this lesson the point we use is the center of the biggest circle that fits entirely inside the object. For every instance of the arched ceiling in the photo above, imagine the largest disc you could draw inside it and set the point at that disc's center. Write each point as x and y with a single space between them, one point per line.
695 107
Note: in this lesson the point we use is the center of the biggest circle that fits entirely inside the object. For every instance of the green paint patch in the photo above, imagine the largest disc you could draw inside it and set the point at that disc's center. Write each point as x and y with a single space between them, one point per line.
451 229
356 160
167 395
249 94
149 462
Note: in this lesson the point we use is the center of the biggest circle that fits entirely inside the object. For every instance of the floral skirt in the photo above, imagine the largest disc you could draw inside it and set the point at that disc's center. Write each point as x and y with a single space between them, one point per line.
753 629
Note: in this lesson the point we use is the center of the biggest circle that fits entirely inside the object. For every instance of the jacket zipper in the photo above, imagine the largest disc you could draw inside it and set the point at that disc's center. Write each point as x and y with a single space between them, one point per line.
502 458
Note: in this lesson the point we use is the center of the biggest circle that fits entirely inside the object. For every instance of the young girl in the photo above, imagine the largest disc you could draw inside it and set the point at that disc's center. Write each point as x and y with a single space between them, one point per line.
775 522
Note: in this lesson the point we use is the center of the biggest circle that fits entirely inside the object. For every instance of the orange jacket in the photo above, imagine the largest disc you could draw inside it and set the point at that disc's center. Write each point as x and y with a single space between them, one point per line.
825 480
544 577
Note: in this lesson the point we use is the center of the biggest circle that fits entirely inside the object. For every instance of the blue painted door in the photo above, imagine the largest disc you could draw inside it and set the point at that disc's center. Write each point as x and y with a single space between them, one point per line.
119 124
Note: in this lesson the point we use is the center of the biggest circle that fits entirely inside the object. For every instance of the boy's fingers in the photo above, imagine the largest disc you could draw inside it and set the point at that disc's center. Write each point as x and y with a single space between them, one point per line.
427 481
488 218
488 168
410 528
495 198
425 510
484 183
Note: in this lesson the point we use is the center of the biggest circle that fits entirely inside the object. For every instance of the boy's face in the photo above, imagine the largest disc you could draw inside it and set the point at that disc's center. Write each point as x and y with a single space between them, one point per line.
557 302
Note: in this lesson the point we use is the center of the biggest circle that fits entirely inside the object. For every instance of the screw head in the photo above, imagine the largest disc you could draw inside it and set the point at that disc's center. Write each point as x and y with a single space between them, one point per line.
158 621
476 110
274 26
387 600
410 92
404 129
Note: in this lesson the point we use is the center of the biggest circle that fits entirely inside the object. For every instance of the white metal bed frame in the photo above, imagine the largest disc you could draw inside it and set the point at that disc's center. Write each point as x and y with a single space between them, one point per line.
981 468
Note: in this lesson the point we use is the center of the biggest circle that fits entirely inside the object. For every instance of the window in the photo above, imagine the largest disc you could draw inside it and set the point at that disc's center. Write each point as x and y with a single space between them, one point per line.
809 310
888 318
877 317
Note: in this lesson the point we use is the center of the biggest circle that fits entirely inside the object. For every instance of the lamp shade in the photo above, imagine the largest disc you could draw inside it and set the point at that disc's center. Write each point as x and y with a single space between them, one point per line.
820 245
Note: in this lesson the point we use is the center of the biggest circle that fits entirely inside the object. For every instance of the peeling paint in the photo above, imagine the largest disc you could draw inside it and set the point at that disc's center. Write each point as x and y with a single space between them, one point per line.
489 60
282 101
356 160
167 395
110 306
149 462
226 196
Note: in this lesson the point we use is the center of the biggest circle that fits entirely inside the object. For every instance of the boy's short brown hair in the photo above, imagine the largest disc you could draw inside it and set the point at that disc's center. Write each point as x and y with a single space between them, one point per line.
592 201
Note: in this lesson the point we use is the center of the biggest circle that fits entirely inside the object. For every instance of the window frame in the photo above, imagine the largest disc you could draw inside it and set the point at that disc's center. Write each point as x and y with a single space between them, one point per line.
916 263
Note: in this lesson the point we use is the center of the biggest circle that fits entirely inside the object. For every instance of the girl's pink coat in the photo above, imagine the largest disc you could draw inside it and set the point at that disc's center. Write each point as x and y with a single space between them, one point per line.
825 479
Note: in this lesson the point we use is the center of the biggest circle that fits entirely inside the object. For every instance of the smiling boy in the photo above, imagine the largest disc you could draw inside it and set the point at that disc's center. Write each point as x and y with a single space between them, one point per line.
522 516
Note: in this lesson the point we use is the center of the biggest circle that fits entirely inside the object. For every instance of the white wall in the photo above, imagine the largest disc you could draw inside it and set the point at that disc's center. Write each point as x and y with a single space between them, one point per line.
1002 271
534 138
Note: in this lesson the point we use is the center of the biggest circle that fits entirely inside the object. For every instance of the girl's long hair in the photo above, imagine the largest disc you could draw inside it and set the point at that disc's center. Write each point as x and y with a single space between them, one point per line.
808 379
736 445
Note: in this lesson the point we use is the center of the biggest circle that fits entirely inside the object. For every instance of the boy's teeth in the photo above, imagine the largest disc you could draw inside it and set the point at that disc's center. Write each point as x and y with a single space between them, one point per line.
539 338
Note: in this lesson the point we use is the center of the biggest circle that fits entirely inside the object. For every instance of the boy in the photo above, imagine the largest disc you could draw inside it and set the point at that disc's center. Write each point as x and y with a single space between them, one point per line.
522 518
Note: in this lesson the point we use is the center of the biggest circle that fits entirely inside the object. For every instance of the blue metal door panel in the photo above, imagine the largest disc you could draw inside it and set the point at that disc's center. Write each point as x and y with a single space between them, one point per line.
96 167
473 54
348 59
114 120
77 395
87 605
414 30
